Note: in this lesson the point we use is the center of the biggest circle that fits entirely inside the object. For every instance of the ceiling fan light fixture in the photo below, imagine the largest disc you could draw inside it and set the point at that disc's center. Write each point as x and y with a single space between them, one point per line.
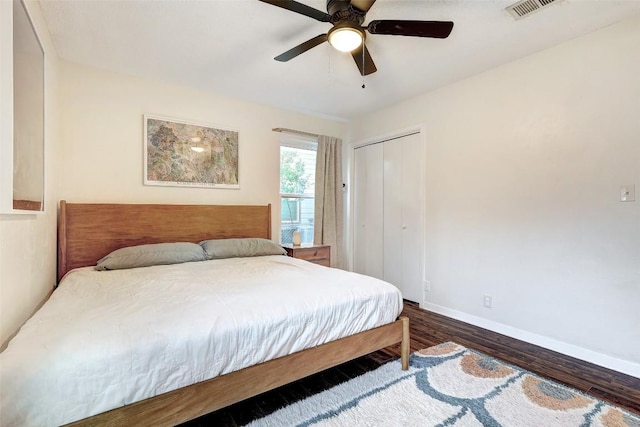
346 39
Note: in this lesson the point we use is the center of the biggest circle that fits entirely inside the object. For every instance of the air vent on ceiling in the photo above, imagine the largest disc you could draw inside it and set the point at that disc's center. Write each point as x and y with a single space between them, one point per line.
526 7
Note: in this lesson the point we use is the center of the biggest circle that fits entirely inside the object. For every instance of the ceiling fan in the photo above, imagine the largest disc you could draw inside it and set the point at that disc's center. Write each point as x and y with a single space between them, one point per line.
348 34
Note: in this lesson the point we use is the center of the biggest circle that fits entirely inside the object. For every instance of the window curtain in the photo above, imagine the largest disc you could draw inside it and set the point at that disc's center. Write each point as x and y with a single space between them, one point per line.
328 212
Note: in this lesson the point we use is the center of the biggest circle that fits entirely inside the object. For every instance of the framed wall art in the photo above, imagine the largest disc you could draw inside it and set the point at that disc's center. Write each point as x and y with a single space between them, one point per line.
180 153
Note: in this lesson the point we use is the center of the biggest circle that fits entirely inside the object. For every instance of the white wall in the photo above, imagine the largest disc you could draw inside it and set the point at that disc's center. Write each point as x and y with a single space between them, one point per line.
102 154
28 242
524 164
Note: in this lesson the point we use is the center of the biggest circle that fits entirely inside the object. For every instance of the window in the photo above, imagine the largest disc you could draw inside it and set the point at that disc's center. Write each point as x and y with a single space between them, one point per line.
297 189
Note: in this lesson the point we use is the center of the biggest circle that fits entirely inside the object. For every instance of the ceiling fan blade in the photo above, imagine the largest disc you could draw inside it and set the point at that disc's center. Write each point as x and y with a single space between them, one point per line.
436 29
301 48
363 5
300 8
367 67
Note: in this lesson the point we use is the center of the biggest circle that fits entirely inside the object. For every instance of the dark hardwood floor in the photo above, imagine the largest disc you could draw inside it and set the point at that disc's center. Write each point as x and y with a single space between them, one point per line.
429 329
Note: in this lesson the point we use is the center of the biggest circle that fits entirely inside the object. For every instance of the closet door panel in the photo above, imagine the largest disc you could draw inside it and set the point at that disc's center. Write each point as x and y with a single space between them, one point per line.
368 205
392 212
412 217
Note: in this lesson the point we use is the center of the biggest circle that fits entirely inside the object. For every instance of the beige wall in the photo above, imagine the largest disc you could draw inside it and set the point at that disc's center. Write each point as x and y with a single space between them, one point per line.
28 242
102 154
523 169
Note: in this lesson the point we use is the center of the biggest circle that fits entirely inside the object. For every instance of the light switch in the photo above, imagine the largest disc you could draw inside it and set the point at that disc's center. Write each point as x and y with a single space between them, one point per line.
628 193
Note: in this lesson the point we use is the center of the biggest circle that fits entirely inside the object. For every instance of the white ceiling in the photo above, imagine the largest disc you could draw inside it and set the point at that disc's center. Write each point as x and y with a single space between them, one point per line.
228 46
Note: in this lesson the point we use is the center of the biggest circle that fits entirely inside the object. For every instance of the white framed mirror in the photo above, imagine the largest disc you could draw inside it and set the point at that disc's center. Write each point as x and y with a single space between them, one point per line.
21 111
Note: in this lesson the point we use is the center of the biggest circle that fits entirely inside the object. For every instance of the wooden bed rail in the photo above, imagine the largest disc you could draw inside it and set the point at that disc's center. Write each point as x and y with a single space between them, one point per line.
202 398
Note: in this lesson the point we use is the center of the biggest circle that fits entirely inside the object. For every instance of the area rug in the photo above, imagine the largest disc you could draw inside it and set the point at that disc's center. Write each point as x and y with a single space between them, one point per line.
450 385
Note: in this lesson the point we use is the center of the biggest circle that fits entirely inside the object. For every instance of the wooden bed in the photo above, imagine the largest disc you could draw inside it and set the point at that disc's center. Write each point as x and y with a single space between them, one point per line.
87 232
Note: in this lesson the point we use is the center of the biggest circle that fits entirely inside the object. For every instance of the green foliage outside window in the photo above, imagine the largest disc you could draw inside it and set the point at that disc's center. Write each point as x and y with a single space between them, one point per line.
293 179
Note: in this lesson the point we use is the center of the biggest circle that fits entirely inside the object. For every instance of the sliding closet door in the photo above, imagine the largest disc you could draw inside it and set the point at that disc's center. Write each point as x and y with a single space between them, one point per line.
368 207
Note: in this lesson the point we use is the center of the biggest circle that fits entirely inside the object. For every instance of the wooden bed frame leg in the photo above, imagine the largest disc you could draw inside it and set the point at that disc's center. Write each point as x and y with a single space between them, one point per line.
405 346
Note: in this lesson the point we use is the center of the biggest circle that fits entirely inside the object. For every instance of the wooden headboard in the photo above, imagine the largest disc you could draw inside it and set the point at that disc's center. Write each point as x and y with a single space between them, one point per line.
89 231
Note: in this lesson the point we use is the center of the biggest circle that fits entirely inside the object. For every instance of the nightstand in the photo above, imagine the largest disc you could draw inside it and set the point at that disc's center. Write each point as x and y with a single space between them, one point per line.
317 254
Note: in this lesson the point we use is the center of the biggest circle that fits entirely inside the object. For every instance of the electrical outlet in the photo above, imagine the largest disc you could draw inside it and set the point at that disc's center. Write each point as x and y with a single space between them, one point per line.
487 301
426 286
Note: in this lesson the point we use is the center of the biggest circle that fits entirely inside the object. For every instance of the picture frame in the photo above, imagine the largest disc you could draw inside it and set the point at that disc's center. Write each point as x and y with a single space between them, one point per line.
180 153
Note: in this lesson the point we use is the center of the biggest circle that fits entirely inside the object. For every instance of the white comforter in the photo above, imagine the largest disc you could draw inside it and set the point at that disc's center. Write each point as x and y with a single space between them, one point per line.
107 339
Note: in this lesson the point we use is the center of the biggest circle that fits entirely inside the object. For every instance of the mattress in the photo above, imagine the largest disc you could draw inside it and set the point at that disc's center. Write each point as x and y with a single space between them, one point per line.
108 339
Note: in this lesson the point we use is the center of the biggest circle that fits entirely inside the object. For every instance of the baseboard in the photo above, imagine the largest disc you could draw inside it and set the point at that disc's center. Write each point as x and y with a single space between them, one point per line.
590 356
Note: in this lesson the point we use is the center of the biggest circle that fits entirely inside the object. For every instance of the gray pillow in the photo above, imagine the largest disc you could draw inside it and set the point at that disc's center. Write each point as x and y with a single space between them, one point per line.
153 254
229 248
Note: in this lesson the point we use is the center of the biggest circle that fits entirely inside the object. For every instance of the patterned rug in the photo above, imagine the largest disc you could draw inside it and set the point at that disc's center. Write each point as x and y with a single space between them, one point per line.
450 385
